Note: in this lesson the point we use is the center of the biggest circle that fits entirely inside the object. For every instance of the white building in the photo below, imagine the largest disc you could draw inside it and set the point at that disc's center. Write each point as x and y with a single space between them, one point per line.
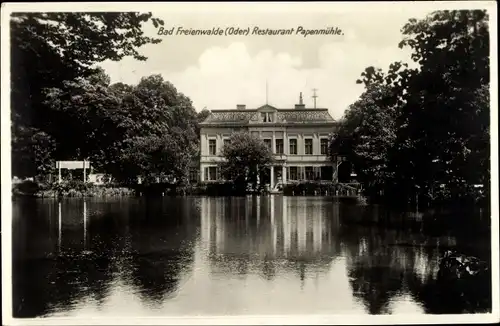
298 137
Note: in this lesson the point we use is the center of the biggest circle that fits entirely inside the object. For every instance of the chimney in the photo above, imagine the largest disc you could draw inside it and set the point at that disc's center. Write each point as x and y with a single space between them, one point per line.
301 104
240 106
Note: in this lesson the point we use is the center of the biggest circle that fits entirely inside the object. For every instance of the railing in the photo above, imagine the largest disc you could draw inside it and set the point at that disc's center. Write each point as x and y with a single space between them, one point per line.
278 157
308 158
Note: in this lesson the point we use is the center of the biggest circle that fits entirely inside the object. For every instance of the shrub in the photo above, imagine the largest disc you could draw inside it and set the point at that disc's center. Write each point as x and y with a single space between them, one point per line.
25 188
68 189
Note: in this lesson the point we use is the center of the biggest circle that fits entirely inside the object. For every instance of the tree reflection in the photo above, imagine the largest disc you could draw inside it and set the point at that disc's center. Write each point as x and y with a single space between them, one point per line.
389 260
76 253
162 238
377 266
67 253
51 278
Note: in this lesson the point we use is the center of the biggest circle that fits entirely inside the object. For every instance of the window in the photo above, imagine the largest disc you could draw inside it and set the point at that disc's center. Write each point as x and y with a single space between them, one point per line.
212 147
309 173
324 146
293 146
212 173
308 143
268 143
227 142
293 174
279 146
267 116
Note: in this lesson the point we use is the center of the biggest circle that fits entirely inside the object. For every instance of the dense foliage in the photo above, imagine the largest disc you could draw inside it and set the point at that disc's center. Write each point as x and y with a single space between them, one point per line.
146 130
414 132
49 52
246 158
425 131
64 108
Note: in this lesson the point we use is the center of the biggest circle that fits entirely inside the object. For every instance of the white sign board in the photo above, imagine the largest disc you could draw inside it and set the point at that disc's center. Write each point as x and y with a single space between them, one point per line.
72 165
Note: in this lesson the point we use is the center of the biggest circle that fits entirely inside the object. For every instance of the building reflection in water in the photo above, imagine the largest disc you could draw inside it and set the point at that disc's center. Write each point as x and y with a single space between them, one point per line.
272 254
269 233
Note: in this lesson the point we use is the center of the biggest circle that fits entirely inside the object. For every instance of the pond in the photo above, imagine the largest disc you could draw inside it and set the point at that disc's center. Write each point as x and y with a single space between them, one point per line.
230 256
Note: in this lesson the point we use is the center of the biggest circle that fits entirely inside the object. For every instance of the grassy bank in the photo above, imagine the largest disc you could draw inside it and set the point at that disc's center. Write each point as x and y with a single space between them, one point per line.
69 189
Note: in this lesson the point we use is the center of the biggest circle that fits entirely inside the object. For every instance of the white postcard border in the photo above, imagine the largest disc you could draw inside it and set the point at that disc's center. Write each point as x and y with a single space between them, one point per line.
7 8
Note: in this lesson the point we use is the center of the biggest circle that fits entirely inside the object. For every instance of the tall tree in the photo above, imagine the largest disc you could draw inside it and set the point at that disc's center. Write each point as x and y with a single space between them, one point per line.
367 132
366 136
445 115
159 124
90 111
146 130
49 49
436 116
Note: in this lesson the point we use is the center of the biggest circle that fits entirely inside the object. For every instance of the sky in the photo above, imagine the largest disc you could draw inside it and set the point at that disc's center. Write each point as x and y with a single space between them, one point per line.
219 72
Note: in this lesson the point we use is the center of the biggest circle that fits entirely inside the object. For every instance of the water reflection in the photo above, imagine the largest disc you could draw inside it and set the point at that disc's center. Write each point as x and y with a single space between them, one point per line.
384 265
52 272
269 235
395 266
251 255
96 250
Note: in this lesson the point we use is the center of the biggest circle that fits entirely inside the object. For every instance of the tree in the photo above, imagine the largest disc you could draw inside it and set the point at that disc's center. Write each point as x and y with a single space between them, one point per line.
246 157
367 132
429 126
159 138
366 136
146 130
89 114
51 49
34 152
445 112
203 114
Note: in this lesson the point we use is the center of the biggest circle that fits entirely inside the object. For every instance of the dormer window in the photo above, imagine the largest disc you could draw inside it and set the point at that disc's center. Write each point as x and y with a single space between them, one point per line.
267 116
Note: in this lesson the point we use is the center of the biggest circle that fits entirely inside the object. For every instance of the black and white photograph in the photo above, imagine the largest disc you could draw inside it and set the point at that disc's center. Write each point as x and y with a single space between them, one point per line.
249 163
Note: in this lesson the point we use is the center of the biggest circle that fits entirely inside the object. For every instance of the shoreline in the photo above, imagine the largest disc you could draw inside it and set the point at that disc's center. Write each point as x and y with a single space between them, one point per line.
78 189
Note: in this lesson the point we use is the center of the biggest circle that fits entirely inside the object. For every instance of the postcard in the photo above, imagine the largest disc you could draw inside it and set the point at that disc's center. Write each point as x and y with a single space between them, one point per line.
249 163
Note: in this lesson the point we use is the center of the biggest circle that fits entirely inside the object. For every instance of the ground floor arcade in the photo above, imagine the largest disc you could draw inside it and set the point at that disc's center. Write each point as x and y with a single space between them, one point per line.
281 174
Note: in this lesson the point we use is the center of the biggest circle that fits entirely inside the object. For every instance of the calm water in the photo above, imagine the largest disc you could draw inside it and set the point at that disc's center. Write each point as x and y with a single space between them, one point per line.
228 256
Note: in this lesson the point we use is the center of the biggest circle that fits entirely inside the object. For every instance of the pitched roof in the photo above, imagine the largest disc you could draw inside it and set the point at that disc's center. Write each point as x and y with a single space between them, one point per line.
286 116
229 116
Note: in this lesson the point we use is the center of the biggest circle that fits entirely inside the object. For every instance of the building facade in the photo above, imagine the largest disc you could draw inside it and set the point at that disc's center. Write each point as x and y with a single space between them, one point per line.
298 138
